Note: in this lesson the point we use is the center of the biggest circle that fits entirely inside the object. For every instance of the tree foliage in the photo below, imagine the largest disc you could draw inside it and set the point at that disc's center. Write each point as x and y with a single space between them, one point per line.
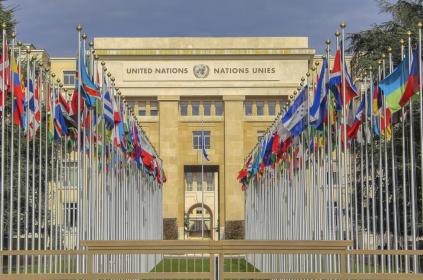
367 46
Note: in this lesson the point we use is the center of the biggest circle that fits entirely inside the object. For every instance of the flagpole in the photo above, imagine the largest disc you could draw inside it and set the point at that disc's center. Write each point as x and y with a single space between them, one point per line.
394 177
12 153
3 96
202 179
28 51
385 146
413 177
419 25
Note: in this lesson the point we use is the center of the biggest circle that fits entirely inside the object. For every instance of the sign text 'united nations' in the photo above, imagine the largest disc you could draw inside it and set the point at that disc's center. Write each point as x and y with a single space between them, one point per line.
198 71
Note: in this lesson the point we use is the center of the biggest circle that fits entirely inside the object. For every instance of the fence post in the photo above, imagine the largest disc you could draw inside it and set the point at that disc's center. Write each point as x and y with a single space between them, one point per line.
90 267
343 264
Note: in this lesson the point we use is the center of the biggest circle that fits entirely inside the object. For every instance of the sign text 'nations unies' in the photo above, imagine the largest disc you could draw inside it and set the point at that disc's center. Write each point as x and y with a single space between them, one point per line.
210 71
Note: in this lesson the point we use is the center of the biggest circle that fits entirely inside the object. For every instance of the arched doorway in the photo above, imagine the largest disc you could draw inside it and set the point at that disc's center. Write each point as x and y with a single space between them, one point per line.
194 222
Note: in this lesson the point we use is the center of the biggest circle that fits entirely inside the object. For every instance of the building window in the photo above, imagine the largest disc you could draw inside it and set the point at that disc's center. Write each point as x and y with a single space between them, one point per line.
188 178
199 182
218 108
154 109
209 178
195 107
69 78
196 140
282 103
260 108
184 108
248 108
141 108
206 107
70 176
271 105
71 210
260 134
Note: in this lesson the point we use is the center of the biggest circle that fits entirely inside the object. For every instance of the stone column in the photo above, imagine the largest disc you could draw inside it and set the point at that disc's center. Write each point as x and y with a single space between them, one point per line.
232 196
173 190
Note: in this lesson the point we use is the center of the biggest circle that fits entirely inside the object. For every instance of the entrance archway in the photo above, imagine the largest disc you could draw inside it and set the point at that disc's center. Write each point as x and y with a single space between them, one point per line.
194 221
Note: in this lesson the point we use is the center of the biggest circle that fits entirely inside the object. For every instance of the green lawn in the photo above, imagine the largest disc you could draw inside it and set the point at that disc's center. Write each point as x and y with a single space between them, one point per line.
201 265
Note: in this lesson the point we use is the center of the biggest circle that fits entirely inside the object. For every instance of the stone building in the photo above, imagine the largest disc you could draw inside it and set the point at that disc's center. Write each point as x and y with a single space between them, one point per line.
232 88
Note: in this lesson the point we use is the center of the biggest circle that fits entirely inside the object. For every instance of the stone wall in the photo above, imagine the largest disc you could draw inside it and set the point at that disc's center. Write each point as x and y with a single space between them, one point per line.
235 229
170 229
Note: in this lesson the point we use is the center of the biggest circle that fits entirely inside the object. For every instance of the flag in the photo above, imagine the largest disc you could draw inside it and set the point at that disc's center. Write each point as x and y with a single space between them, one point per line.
358 118
393 86
318 108
90 91
19 102
413 81
108 110
295 117
335 82
203 145
60 127
34 106
4 62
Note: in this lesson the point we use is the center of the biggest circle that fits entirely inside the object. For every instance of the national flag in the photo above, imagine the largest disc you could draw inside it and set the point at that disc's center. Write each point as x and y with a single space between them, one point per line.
358 118
34 106
203 145
4 62
19 102
318 107
90 91
413 81
394 85
60 127
295 117
335 82
109 121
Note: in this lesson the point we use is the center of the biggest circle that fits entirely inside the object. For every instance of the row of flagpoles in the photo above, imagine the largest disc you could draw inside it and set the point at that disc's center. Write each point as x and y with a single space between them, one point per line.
73 167
343 163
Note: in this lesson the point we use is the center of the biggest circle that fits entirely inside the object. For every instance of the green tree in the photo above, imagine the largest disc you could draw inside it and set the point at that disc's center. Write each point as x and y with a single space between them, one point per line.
7 16
367 46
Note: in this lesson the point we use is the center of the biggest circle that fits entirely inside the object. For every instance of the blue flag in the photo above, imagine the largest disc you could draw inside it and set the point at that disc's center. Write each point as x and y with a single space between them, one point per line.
203 145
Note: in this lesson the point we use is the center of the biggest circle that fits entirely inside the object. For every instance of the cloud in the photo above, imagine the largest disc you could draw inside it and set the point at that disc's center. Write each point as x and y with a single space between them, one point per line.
50 24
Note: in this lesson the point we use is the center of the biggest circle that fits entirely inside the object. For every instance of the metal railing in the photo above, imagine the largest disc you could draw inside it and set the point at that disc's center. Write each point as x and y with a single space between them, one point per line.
205 259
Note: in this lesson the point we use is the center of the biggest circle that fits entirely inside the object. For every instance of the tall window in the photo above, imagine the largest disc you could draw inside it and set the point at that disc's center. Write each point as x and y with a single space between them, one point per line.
260 134
248 108
69 177
184 108
271 105
196 140
71 210
154 109
218 108
195 107
206 107
282 103
141 108
209 178
260 108
188 178
69 78
199 182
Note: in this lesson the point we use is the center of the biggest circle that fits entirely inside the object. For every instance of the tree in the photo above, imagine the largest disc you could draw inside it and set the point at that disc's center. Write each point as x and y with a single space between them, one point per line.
367 46
6 16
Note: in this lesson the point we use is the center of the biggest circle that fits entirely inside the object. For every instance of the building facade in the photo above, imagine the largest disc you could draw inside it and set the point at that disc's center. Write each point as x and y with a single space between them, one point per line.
230 88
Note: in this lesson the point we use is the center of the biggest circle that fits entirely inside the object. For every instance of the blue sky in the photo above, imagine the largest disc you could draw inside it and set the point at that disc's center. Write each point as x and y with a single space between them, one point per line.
50 24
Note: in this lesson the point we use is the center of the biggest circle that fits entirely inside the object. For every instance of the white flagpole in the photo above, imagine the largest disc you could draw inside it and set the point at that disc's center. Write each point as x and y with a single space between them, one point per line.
419 25
28 51
394 178
12 156
2 149
413 176
202 179
79 154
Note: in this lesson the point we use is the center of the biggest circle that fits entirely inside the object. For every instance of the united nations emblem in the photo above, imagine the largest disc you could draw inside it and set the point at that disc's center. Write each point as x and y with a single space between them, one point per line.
201 71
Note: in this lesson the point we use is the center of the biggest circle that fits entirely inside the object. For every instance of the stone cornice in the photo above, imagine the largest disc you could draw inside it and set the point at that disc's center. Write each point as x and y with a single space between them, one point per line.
182 52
